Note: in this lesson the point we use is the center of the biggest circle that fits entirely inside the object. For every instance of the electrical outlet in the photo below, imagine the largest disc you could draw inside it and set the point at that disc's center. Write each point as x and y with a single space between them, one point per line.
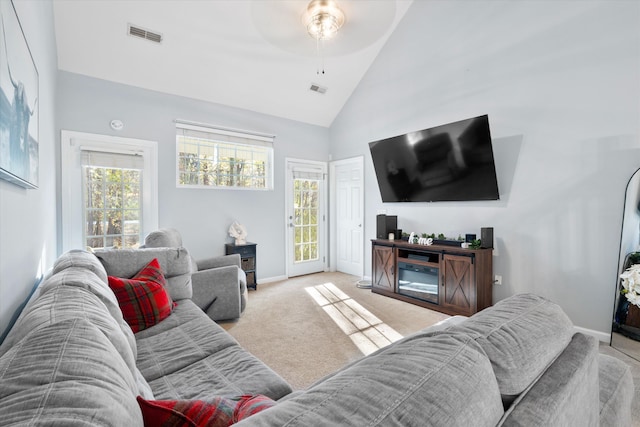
498 280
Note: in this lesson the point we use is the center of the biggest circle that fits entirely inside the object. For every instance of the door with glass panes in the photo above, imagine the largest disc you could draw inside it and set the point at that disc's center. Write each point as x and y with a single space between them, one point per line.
306 217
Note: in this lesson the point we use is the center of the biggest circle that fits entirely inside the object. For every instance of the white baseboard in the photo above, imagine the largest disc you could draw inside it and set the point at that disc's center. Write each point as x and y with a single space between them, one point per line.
279 278
601 336
271 279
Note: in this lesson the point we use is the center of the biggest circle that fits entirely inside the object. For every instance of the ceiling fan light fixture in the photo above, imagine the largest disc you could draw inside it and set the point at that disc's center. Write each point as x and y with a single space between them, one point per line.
323 19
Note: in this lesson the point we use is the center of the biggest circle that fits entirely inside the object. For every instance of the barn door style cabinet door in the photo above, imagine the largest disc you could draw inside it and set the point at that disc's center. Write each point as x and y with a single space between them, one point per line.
384 268
458 284
450 279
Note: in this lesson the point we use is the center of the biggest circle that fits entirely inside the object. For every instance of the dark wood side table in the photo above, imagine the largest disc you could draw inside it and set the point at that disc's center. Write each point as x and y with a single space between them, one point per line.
248 260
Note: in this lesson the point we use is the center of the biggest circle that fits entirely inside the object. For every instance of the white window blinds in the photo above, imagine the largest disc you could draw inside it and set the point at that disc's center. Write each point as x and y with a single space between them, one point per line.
307 174
195 130
114 160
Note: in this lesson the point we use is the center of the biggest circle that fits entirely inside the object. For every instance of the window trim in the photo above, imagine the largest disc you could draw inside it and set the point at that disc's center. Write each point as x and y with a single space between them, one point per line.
72 144
228 136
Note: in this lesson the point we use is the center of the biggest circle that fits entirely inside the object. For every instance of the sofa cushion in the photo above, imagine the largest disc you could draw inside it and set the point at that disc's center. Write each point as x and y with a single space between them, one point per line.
438 379
215 412
67 373
80 259
164 237
143 299
228 372
167 238
616 391
202 361
522 335
82 269
182 339
67 303
566 394
82 278
175 264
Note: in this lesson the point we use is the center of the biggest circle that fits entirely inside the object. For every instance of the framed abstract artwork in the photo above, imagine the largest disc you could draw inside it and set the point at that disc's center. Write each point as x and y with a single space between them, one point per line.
19 99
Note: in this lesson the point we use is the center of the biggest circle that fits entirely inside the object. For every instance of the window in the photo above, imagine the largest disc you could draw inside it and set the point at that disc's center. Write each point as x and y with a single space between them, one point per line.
109 190
306 211
223 158
112 199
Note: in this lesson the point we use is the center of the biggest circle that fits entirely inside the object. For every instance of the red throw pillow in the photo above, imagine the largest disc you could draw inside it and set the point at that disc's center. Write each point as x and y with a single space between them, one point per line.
248 405
217 412
143 298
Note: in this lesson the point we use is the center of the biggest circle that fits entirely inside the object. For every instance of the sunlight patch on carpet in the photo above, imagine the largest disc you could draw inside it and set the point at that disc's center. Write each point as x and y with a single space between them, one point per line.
366 331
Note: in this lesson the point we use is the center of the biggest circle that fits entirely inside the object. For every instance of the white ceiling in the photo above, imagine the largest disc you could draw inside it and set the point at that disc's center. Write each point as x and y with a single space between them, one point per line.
250 54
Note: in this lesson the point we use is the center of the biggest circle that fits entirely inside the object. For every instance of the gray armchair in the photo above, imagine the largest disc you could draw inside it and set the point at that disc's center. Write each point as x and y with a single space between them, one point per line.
219 284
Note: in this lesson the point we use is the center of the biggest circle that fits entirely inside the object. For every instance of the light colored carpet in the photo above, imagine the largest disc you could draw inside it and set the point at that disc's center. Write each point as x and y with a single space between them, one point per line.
285 328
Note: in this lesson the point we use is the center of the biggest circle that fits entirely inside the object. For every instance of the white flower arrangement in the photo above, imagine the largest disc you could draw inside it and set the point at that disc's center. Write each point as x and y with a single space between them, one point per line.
631 284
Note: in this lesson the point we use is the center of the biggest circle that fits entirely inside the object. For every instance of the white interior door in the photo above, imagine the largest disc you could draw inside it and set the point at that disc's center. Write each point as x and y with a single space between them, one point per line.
347 215
306 217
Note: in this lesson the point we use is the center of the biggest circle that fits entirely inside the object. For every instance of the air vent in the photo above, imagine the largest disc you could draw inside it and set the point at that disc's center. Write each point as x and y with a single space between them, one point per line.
317 88
144 34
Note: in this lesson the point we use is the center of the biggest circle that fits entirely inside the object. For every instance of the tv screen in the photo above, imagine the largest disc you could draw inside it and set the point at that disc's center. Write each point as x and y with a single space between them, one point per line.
451 162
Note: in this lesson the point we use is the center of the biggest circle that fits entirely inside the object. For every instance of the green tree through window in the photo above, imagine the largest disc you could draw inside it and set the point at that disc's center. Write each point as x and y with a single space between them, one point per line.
112 207
210 163
211 157
306 213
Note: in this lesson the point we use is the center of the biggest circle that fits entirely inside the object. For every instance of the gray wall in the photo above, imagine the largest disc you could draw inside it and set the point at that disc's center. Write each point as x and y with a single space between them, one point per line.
203 216
28 217
560 82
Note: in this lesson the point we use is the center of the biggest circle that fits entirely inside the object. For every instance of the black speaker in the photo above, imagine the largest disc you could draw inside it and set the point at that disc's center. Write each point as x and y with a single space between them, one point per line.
392 225
386 224
381 227
486 237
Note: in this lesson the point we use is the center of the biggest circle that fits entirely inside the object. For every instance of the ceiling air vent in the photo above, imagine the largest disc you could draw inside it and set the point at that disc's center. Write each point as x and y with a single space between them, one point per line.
317 88
144 34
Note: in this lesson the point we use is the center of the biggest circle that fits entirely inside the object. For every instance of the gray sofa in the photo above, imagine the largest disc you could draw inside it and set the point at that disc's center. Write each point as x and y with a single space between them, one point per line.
219 283
517 363
70 359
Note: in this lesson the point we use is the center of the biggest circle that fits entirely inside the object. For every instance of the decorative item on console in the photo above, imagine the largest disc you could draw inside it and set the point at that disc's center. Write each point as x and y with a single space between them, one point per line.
413 238
238 232
432 239
468 242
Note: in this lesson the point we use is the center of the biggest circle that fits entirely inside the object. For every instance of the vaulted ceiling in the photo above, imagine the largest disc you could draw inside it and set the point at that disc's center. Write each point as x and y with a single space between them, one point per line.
249 54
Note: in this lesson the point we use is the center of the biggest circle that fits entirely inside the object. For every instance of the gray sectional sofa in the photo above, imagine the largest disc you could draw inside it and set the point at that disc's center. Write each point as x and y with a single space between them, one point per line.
71 359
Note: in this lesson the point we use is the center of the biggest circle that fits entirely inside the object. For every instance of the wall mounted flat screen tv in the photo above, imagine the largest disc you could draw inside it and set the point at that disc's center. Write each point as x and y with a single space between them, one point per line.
451 162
